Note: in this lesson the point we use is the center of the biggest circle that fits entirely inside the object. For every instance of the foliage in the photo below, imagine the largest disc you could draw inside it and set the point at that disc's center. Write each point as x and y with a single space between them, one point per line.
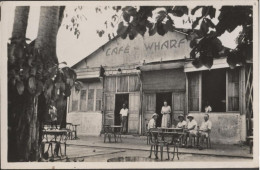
26 72
203 35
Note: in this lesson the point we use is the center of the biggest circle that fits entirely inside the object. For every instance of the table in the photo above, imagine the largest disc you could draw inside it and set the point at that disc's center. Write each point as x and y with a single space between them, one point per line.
167 139
171 129
62 134
114 130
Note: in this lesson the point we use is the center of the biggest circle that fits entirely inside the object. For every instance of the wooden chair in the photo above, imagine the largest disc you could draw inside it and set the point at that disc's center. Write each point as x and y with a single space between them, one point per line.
108 133
70 130
153 141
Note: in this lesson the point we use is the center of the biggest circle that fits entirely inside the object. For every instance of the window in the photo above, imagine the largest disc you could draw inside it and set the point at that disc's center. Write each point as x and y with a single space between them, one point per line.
98 99
134 84
233 90
193 88
90 100
214 89
122 84
83 104
74 106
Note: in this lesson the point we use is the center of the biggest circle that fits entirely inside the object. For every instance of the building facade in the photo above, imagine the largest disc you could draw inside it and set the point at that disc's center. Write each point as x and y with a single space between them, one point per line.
144 72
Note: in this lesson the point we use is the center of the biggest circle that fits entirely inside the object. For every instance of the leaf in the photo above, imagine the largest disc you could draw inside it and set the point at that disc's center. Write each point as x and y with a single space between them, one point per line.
32 84
193 53
160 29
212 12
196 22
39 88
33 71
206 60
204 28
197 63
121 28
153 30
195 9
126 16
20 87
209 23
168 26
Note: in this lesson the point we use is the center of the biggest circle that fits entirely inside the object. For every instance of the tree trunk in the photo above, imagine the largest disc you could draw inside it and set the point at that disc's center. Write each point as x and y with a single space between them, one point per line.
17 104
47 35
20 21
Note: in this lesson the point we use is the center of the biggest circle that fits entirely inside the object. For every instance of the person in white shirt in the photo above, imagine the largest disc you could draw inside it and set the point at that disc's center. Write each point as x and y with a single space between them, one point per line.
182 123
205 129
124 114
152 122
191 128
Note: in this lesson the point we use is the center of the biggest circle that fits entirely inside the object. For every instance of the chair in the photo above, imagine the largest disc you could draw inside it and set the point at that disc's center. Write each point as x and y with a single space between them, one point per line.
107 133
153 141
70 130
208 141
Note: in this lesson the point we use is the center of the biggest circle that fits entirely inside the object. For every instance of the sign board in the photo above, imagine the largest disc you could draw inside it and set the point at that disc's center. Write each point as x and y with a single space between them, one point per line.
171 46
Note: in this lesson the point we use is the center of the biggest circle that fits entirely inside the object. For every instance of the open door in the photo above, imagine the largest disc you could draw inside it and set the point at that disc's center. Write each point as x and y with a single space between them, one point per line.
178 106
149 107
133 119
110 108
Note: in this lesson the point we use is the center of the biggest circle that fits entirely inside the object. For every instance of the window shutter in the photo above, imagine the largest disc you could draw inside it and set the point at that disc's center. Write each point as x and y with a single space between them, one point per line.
193 91
233 90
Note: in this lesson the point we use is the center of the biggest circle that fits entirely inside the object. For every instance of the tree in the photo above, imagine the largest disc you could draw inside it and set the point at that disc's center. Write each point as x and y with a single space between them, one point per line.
34 76
203 35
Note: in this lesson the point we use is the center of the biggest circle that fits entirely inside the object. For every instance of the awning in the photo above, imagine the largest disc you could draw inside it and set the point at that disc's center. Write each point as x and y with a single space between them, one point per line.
217 64
87 74
161 66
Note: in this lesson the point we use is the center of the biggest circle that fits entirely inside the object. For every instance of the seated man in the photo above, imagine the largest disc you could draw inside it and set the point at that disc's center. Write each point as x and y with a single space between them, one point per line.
205 129
182 123
152 122
191 129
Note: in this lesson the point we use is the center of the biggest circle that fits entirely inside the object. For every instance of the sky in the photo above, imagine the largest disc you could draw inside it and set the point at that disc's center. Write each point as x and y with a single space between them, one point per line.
71 50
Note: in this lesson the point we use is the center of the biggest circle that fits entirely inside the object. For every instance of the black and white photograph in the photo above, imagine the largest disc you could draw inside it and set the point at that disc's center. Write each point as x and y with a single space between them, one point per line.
129 84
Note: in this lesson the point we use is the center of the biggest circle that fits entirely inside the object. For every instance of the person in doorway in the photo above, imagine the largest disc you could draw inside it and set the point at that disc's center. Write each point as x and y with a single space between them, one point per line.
207 108
53 114
191 129
123 116
152 122
166 118
204 131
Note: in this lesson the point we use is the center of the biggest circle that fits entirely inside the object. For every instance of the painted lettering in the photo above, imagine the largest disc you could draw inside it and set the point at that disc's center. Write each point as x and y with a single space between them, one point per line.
165 44
126 51
114 51
181 41
173 43
157 46
148 46
107 52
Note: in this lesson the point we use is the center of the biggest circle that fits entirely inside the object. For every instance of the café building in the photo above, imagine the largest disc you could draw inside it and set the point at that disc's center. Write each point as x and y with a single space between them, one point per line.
144 72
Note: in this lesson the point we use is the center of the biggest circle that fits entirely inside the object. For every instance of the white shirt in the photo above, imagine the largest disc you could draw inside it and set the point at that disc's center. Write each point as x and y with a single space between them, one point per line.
151 124
208 109
181 124
124 112
206 125
191 124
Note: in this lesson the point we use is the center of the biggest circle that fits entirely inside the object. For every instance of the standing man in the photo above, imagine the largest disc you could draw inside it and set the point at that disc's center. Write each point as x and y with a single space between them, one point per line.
123 116
205 129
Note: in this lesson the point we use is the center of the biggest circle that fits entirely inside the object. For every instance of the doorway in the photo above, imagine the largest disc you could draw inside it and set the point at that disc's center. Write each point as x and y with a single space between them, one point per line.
120 100
160 98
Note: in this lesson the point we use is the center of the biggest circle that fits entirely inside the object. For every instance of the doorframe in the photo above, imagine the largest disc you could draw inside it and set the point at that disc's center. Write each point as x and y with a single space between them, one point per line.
115 106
